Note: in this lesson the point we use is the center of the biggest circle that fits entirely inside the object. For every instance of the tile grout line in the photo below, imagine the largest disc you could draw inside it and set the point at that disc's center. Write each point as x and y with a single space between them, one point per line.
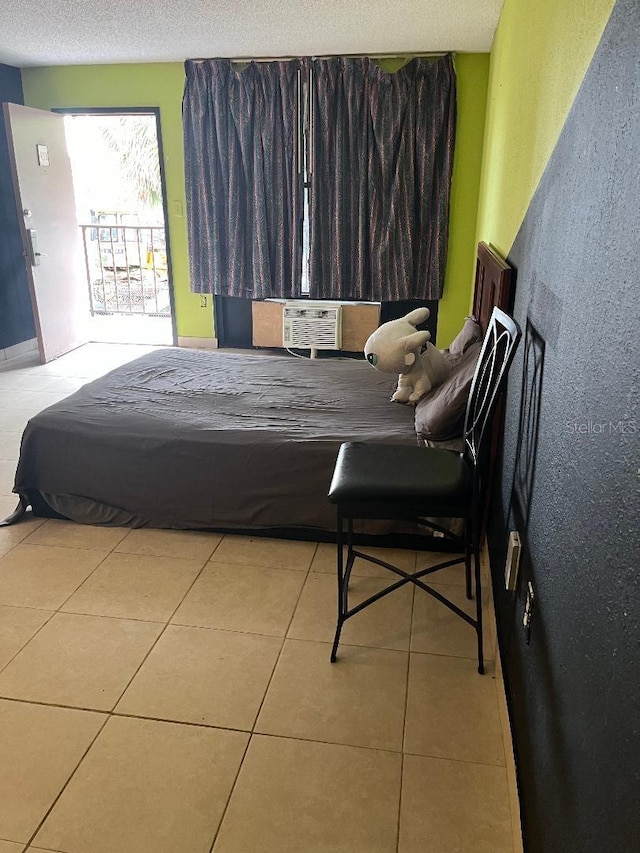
122 715
108 714
284 639
406 707
264 696
168 622
196 627
231 790
56 610
84 580
163 631
20 542
22 648
299 738
128 715
205 726
230 563
457 760
107 616
400 803
70 777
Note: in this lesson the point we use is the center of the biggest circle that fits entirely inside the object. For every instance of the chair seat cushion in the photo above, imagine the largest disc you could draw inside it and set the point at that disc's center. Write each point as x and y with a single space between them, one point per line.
395 481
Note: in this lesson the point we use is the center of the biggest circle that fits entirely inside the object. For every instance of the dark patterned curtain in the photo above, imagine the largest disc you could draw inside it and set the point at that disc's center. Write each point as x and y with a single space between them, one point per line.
243 183
381 161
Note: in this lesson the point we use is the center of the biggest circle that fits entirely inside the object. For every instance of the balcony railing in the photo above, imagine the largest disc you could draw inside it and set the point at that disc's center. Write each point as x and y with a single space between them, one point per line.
126 269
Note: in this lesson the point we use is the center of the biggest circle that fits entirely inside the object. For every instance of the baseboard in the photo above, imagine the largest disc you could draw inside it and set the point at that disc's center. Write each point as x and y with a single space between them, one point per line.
507 739
198 343
18 349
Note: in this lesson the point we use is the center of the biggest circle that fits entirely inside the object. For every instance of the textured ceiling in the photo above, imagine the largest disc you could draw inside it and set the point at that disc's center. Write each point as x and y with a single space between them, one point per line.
71 32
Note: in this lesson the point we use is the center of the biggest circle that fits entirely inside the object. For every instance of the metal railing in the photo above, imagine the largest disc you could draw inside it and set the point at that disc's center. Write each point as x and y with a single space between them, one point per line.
126 269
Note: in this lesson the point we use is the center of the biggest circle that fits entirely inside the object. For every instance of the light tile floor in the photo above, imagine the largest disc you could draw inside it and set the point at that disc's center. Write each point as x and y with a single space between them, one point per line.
171 692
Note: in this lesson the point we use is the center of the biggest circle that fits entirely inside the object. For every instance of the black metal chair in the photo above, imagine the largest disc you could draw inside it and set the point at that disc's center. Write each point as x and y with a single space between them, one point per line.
387 481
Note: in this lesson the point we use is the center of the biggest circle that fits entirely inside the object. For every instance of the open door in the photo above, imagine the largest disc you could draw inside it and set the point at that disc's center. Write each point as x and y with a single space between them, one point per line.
43 188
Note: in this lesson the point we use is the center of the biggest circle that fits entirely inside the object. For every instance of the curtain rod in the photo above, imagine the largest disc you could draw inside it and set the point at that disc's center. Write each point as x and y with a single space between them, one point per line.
400 55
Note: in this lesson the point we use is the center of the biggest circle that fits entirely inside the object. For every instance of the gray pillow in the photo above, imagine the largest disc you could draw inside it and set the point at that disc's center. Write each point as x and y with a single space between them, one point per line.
440 413
470 333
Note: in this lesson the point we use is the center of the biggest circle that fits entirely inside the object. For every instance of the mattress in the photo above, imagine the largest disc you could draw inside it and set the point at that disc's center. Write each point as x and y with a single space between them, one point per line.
206 440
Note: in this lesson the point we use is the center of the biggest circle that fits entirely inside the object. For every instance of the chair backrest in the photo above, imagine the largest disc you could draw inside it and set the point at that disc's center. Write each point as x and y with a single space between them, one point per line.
498 348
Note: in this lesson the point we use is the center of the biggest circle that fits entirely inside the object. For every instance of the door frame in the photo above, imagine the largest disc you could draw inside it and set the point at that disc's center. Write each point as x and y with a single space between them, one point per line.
45 351
155 111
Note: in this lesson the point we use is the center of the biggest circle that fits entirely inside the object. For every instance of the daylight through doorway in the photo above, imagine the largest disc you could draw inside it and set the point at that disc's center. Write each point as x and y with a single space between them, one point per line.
119 203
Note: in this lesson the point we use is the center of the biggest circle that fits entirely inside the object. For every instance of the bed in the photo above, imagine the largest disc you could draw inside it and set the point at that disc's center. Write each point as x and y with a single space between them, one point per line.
213 440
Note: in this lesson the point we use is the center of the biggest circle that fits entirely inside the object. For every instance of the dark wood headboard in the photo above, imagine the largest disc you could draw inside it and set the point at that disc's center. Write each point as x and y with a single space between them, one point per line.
492 286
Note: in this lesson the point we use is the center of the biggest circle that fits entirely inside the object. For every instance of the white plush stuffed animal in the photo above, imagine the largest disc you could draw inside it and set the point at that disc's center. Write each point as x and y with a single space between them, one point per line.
395 347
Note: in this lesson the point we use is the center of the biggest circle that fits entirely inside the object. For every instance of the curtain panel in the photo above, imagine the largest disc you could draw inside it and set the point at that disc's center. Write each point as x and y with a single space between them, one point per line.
243 182
381 161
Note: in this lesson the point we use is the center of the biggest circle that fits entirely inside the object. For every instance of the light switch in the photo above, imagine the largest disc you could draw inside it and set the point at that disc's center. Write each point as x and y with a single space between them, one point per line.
513 561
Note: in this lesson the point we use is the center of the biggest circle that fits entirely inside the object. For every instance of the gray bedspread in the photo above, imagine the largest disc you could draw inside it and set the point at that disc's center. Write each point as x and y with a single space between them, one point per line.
189 439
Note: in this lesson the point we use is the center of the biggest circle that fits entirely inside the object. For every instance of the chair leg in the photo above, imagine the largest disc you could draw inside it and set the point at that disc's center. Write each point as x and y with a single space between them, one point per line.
468 537
478 584
336 640
341 587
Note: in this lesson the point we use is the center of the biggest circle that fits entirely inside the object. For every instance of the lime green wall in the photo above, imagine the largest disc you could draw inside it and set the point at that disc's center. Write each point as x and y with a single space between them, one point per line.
540 54
159 85
472 71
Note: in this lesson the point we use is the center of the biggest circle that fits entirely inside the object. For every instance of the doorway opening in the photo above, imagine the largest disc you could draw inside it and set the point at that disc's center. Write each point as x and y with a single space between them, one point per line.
121 208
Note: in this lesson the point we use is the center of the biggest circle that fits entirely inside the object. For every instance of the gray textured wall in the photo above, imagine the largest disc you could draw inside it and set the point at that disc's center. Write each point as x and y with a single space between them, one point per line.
574 691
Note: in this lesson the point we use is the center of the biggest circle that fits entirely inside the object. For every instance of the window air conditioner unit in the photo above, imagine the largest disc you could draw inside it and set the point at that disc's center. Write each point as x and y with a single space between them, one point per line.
312 325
